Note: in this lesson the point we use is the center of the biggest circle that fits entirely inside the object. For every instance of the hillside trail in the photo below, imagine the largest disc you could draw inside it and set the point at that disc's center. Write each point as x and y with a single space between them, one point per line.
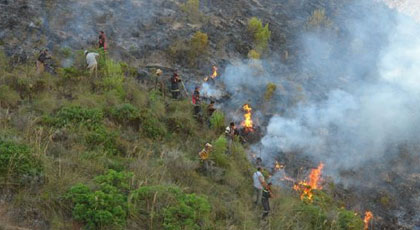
5 222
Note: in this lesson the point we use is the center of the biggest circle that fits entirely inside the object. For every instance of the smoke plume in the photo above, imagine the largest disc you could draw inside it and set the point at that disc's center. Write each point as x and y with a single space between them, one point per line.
360 85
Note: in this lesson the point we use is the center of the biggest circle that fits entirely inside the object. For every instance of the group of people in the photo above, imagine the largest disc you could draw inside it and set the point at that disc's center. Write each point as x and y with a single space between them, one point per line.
92 64
262 189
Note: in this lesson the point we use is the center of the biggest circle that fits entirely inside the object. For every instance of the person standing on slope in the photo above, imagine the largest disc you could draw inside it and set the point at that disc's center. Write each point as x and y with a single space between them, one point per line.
92 64
259 184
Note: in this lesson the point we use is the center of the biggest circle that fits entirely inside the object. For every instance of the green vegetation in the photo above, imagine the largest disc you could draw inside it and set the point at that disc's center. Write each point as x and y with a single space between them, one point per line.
217 121
170 208
261 35
105 207
192 9
108 153
322 213
269 92
253 54
17 163
318 20
198 46
194 48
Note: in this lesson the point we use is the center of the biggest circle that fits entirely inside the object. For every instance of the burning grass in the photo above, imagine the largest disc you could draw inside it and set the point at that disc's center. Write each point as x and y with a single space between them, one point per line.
306 188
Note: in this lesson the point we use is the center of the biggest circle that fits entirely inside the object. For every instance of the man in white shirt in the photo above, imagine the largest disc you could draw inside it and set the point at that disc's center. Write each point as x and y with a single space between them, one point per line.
91 62
259 184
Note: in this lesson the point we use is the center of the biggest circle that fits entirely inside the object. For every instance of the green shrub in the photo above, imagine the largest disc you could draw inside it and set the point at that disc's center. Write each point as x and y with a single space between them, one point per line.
71 73
104 207
261 34
66 52
151 126
71 115
318 20
101 139
17 164
8 97
179 119
170 208
192 9
269 92
3 60
218 155
125 113
253 54
313 215
197 46
347 220
217 121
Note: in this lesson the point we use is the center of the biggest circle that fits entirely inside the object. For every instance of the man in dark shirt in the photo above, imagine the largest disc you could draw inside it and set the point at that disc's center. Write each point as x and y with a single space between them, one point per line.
266 195
210 109
196 100
40 62
175 80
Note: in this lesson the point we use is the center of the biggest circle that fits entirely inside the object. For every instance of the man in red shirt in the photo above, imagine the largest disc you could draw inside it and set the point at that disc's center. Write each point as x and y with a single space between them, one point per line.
102 41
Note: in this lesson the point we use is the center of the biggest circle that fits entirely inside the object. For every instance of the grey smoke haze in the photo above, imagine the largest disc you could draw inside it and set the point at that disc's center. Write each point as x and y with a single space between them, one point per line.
361 96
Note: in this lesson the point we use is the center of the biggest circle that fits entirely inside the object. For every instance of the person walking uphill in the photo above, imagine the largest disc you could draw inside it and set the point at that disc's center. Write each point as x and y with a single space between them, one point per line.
259 184
196 100
175 80
204 156
230 133
92 65
102 40
40 62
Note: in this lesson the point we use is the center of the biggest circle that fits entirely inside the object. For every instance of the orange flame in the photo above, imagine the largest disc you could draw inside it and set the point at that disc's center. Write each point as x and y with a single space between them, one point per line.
248 124
214 75
306 188
278 166
368 217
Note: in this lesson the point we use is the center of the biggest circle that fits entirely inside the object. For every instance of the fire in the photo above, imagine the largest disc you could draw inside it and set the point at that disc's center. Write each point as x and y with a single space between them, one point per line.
214 75
248 124
368 217
306 188
278 166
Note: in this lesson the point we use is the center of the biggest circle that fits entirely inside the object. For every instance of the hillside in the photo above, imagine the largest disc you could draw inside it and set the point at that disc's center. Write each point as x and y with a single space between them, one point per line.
328 89
111 153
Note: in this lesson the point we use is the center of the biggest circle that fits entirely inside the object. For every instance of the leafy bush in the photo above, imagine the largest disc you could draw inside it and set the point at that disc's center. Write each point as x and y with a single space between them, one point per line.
197 46
8 97
17 164
71 73
192 9
347 220
261 34
318 20
125 113
170 208
253 54
3 60
151 126
114 77
217 121
269 92
180 119
104 207
71 115
100 139
218 154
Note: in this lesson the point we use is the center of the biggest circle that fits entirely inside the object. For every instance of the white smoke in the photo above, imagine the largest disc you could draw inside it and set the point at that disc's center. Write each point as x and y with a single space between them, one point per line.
210 91
363 119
